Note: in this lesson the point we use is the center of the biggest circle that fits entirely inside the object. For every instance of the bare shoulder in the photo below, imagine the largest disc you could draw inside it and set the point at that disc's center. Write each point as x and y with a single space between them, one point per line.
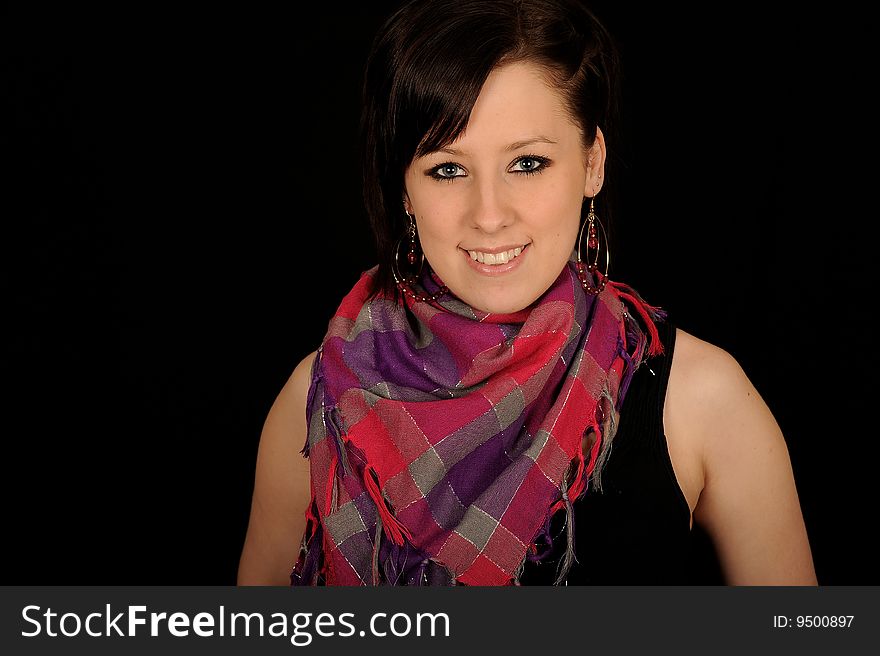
707 391
705 377
288 410
714 398
698 375
282 487
747 499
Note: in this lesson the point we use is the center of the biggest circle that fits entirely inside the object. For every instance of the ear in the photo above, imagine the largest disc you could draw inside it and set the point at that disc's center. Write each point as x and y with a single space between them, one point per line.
407 206
595 165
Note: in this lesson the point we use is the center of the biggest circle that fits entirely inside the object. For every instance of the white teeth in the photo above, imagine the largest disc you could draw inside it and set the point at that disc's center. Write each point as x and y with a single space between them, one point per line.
495 258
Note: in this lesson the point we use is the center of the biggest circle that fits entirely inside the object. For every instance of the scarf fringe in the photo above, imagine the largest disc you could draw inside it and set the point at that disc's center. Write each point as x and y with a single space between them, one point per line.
316 377
376 542
571 490
569 557
333 422
603 426
310 565
649 314
330 501
329 415
395 530
577 487
629 365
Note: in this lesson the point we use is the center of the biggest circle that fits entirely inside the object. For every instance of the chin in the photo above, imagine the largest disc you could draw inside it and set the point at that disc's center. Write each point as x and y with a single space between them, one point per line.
500 306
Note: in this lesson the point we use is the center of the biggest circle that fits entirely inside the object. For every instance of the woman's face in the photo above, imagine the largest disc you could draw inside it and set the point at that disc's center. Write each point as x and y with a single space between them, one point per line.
514 179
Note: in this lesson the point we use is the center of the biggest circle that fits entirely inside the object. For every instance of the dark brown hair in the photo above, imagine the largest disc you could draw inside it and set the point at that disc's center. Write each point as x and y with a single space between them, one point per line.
425 71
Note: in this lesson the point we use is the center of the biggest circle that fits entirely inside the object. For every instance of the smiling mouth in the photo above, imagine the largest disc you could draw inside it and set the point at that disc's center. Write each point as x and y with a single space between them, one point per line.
497 258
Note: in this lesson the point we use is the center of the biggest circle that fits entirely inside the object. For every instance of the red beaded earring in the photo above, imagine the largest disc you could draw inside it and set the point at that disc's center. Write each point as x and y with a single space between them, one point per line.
592 266
411 256
404 283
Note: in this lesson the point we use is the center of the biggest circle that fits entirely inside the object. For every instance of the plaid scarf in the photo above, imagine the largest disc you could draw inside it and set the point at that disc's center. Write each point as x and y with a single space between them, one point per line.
442 439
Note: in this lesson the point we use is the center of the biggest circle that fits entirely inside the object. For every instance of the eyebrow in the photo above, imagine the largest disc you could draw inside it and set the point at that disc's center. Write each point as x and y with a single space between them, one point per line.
514 146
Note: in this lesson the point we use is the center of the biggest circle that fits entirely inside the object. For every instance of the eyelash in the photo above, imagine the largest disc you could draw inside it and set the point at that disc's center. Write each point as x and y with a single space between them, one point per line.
543 163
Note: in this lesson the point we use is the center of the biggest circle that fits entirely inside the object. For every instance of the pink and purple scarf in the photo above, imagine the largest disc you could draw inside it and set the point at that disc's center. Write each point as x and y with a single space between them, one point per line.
442 439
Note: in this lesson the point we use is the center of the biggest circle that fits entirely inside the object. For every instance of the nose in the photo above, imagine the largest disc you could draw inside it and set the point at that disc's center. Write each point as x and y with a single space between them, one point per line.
491 208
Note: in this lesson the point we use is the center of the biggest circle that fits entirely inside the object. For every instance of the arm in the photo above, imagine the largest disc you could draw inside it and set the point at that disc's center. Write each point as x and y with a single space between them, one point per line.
749 503
282 488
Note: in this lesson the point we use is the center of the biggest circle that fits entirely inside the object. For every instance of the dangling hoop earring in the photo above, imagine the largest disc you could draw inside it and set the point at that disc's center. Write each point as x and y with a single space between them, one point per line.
404 283
593 245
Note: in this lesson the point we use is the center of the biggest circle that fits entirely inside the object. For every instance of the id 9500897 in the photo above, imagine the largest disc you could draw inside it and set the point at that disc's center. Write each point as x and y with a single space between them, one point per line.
813 621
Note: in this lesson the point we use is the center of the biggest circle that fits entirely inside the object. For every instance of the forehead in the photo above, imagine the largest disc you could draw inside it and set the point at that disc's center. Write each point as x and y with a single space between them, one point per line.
517 101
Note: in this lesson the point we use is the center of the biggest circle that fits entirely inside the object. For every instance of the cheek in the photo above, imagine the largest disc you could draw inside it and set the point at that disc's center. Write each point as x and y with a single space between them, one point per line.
431 200
437 230
558 210
439 215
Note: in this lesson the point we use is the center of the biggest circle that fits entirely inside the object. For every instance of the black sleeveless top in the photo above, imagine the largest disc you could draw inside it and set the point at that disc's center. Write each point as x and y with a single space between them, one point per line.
636 531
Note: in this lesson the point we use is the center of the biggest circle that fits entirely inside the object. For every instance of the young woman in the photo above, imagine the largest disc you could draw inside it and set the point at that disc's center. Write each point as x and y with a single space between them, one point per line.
459 416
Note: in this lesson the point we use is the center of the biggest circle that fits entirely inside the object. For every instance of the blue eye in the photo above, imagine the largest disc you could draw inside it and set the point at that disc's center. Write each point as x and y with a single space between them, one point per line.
446 171
531 164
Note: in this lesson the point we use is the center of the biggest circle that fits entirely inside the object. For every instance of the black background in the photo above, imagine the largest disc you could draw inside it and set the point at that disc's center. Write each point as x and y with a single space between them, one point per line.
182 214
